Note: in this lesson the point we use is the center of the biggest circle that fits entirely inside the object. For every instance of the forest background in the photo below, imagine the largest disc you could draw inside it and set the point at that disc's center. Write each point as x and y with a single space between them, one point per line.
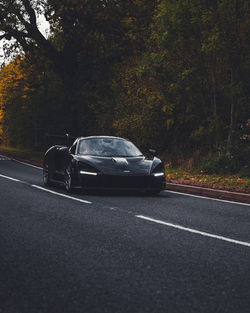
170 75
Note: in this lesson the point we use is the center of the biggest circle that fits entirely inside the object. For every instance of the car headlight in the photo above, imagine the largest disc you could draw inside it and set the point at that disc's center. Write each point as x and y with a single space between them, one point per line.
86 169
159 171
88 173
159 174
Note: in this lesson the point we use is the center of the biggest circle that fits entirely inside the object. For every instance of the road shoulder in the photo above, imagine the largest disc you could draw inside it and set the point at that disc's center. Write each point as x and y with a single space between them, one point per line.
209 192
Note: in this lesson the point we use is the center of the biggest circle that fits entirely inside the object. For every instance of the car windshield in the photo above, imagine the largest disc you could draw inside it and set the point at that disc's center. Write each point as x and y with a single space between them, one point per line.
108 147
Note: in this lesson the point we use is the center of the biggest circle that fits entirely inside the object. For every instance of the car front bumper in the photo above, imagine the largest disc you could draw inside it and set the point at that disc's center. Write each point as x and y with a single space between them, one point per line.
115 182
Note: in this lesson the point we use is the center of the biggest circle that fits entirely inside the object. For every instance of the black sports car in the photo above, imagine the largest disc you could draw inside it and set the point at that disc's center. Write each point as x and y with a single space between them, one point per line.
102 162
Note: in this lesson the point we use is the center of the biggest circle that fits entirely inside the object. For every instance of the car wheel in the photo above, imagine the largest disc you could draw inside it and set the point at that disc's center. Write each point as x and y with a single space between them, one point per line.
46 178
68 180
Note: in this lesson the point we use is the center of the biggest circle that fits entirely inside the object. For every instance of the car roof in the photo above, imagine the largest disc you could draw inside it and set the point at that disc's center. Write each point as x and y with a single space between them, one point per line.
102 137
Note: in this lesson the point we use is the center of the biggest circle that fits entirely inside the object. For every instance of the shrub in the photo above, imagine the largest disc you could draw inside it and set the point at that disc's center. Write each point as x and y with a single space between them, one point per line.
228 163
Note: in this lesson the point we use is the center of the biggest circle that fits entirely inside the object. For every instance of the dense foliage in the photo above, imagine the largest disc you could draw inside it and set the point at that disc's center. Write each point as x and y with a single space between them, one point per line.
168 74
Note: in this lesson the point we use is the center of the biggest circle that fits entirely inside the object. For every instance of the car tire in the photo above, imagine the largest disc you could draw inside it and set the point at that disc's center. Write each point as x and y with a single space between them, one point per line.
68 180
46 178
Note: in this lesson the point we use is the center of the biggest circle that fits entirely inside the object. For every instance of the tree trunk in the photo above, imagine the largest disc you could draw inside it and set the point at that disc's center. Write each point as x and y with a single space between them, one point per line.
235 67
214 109
232 108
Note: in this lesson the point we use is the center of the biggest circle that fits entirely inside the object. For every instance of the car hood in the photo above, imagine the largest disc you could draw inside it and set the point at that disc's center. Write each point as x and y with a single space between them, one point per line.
120 165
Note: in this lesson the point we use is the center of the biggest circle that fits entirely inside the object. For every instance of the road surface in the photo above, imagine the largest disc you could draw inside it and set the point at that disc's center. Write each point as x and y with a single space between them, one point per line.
118 252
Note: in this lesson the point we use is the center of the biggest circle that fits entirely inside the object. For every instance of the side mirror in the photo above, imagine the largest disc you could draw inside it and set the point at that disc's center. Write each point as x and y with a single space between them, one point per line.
152 151
64 149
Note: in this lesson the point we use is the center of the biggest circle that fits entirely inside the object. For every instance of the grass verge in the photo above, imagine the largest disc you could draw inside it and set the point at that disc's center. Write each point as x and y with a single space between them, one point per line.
29 155
224 182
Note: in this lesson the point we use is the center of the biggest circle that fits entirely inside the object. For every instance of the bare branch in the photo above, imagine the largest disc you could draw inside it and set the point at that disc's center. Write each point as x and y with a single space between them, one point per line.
3 36
31 12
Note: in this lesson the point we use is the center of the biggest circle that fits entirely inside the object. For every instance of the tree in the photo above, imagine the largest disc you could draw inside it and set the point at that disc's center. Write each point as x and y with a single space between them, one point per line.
203 57
88 43
14 91
75 26
18 22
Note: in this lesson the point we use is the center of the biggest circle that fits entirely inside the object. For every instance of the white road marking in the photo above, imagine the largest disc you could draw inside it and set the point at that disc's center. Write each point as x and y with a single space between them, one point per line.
44 189
237 242
61 194
202 197
3 158
10 178
40 168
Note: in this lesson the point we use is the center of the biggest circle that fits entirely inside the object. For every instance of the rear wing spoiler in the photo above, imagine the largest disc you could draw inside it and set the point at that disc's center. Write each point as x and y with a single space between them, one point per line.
60 139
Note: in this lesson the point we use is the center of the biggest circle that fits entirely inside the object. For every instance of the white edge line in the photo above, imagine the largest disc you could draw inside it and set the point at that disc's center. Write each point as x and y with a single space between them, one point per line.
47 190
40 168
10 178
242 243
214 199
12 159
61 194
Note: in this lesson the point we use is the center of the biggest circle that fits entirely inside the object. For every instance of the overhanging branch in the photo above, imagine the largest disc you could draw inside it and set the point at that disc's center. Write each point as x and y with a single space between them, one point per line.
31 12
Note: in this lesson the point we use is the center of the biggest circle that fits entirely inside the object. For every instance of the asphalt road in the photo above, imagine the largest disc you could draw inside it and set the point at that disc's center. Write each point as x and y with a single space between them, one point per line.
118 252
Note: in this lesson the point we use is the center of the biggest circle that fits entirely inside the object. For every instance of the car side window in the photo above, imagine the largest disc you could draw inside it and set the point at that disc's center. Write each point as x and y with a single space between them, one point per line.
73 148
